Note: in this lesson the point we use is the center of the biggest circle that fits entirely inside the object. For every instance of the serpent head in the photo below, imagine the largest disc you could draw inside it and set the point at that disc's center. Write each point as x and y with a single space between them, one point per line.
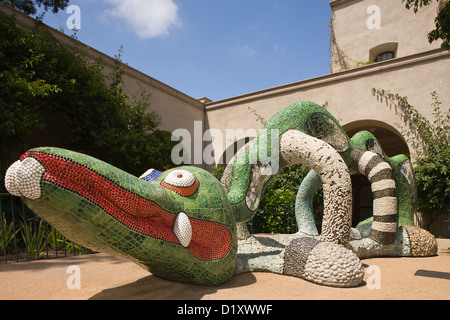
178 224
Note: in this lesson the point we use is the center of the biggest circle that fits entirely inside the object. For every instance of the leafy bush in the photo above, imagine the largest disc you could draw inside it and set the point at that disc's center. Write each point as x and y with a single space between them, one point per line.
6 236
279 193
34 239
276 210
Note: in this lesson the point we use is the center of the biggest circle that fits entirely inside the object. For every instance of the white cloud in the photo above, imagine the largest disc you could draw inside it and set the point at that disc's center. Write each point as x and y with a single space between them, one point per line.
279 49
147 18
242 51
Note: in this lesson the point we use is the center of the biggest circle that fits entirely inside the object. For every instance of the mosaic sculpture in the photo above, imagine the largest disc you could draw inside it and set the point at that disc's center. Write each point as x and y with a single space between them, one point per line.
184 225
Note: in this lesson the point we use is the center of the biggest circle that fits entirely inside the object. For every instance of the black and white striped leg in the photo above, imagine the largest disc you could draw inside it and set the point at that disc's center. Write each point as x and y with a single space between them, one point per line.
379 173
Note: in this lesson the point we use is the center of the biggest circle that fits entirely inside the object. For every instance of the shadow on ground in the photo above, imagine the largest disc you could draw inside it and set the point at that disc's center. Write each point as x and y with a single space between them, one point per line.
154 288
52 263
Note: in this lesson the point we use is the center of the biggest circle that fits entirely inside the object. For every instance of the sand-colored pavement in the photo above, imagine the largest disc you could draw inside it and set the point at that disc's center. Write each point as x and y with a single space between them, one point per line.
106 277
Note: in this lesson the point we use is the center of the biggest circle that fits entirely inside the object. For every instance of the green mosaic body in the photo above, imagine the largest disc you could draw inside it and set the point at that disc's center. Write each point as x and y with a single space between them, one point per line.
305 116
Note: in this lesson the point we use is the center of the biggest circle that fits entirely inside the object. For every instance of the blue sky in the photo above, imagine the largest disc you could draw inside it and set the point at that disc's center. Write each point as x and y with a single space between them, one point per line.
217 49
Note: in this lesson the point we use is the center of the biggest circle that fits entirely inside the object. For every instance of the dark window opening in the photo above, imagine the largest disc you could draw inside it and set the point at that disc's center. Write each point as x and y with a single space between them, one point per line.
385 56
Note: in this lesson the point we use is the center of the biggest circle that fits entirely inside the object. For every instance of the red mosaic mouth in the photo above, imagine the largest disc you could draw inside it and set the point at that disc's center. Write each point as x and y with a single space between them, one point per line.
210 240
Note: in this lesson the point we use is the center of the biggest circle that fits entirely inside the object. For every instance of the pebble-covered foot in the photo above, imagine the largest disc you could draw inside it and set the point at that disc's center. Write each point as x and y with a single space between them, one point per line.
421 242
323 263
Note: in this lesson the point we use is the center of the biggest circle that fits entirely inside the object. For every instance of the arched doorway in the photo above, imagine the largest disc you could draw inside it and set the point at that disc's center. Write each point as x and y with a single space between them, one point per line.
392 143
390 138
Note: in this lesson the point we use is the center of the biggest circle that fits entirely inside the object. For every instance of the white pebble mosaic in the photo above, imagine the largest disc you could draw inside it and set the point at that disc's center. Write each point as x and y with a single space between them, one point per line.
23 178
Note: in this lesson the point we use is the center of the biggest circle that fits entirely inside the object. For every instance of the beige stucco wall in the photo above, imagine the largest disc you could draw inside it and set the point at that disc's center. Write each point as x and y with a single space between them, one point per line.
397 25
348 93
176 109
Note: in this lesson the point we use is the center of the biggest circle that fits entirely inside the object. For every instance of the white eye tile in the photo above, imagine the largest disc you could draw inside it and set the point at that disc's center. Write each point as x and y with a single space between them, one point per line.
180 178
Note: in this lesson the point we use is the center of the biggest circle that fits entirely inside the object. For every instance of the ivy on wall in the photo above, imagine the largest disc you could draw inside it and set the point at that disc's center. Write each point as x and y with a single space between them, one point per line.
430 140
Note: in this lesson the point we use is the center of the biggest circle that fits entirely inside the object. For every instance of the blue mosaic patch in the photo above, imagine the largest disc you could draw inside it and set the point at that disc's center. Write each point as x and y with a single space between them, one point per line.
150 175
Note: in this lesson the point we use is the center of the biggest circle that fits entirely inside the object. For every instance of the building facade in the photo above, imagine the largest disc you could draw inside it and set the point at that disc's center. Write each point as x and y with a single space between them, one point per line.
375 45
362 32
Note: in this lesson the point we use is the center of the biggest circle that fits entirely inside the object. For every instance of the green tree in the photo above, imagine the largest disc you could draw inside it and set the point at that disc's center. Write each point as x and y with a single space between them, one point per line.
30 6
442 20
40 76
279 197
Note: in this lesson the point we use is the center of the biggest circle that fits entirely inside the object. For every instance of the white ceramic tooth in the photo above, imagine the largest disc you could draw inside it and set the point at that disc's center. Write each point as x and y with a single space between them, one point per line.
183 229
28 178
10 179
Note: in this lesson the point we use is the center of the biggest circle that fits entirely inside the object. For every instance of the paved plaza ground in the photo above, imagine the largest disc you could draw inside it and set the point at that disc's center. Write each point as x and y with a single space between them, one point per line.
107 277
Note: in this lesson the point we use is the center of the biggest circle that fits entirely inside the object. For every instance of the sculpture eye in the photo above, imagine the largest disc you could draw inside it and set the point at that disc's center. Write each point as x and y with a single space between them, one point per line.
182 182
